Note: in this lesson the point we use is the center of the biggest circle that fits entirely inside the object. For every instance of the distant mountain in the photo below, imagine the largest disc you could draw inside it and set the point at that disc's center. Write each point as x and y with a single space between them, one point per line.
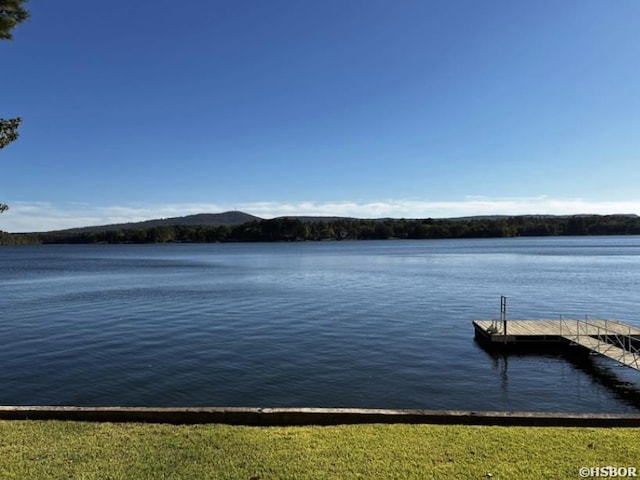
232 218
207 219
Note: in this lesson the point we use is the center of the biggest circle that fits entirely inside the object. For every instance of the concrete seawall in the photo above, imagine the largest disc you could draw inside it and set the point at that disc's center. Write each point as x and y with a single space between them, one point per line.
312 416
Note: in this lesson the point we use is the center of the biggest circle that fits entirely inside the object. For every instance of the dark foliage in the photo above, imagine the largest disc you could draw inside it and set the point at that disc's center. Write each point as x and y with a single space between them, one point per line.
12 12
296 230
8 130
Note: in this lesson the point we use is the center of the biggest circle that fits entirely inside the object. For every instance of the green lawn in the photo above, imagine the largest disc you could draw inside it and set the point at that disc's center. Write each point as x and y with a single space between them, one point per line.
53 449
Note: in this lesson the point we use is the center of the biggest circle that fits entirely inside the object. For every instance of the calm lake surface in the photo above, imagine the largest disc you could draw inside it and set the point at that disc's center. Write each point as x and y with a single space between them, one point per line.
335 324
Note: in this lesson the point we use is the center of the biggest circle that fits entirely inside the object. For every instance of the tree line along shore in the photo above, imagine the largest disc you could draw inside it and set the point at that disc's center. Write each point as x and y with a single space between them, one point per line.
285 229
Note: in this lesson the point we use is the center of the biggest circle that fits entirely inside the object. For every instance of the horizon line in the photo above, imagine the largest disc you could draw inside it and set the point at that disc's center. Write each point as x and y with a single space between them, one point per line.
45 216
338 217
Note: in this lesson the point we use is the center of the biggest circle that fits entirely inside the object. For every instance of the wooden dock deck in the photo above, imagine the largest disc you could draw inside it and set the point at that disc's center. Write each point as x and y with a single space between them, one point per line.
611 338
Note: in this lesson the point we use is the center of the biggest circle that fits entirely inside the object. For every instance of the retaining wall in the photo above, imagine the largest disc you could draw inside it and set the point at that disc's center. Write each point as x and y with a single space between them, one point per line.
312 416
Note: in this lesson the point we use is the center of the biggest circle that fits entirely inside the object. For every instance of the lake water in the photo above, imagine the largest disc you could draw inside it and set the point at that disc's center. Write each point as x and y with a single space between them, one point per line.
335 324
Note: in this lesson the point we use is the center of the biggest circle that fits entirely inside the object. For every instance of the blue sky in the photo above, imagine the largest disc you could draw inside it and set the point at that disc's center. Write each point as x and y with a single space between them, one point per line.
363 108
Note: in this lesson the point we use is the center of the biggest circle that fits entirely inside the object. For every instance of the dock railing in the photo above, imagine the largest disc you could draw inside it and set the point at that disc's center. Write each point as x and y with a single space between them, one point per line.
610 336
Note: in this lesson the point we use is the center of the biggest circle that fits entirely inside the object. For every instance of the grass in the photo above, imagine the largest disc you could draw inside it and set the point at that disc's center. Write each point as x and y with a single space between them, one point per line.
79 450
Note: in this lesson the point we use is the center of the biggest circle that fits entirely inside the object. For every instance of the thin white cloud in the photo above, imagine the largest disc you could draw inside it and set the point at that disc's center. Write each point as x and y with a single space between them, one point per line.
413 208
46 216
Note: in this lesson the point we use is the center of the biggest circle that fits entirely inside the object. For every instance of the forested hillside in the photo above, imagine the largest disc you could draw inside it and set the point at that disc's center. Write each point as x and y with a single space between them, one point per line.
295 229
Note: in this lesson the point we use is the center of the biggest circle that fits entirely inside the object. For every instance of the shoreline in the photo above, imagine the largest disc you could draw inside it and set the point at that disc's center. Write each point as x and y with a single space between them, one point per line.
257 416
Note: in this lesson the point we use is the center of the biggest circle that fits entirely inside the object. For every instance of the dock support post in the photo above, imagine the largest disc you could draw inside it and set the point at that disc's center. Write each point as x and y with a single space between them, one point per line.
503 316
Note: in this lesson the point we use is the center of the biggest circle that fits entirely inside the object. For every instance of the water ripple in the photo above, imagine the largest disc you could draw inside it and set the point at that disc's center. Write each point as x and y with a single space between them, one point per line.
354 324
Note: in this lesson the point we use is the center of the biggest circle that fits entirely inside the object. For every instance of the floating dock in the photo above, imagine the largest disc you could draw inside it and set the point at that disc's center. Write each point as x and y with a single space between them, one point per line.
610 338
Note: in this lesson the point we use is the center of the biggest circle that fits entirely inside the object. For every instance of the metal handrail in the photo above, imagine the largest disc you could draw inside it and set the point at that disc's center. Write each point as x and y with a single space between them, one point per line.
619 338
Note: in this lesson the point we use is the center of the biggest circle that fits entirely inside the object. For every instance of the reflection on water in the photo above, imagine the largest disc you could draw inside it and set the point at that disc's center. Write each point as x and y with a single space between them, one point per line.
623 382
